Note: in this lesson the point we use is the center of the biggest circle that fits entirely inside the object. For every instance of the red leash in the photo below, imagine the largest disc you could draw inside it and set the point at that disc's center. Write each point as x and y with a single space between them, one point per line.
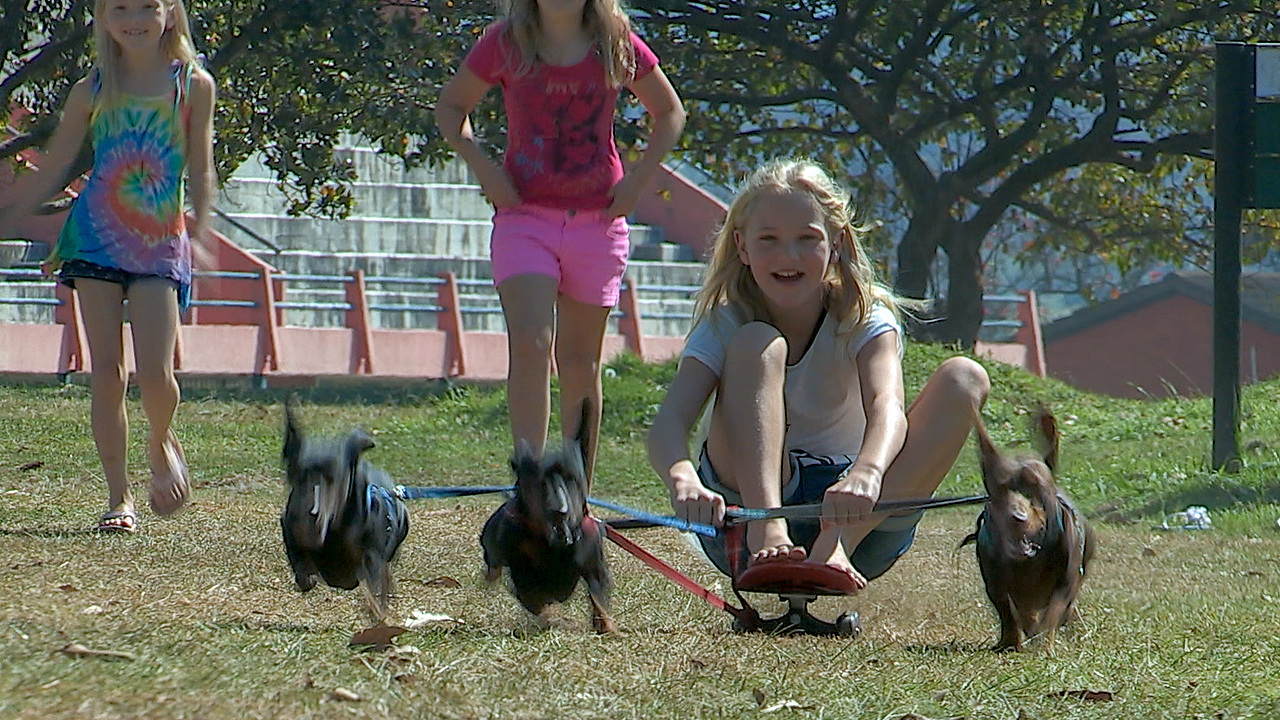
745 614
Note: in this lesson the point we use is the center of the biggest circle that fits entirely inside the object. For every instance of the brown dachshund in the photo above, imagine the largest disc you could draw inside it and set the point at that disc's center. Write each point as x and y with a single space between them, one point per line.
545 537
1033 545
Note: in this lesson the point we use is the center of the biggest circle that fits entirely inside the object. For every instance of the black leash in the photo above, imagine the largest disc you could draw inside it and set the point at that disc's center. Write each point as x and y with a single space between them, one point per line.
814 510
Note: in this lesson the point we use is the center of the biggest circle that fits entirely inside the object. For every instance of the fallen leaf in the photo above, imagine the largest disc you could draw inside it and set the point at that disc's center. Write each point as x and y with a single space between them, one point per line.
67 587
33 465
51 685
407 678
345 695
78 650
1091 695
379 636
93 610
786 705
1148 552
760 696
308 681
444 581
697 664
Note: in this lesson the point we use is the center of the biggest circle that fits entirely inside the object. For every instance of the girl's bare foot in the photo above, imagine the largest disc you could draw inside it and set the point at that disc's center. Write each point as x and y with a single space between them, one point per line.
829 550
772 542
170 485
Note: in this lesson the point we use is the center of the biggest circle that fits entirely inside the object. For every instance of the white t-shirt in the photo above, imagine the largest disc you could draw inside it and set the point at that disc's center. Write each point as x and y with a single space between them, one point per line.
822 394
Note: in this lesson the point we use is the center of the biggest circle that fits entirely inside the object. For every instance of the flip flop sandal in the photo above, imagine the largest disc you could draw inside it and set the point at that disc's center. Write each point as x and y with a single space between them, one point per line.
119 521
169 490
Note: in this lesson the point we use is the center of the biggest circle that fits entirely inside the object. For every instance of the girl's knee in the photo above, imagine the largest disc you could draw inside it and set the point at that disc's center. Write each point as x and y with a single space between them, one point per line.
530 342
757 342
966 378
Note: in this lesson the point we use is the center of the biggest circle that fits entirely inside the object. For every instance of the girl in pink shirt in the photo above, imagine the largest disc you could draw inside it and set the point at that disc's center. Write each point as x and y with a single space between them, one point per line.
560 237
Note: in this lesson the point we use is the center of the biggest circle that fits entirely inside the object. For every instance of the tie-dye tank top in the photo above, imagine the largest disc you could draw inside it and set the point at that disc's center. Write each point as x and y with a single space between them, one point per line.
130 215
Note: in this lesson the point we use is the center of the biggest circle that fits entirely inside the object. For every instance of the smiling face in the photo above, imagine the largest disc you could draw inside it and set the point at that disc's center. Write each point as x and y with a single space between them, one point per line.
786 244
135 24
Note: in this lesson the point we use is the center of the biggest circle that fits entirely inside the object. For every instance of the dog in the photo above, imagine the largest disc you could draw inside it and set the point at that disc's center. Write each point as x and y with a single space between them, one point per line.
1033 544
544 536
343 522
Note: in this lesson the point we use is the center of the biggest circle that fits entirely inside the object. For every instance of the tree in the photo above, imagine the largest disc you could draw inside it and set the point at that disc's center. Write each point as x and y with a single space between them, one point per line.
1092 118
293 78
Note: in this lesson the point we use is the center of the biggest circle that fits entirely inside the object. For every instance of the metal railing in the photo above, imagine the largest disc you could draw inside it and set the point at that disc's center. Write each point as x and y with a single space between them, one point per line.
36 278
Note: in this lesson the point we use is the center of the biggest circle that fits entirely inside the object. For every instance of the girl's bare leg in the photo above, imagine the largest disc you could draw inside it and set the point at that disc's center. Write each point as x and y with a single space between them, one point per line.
153 318
528 305
938 424
746 438
102 311
579 342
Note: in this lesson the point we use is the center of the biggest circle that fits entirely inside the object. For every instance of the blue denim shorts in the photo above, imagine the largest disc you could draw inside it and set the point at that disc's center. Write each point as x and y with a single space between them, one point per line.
810 477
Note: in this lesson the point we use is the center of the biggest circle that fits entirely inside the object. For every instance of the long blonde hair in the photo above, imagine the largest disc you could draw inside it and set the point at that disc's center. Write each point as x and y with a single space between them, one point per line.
175 42
853 286
605 22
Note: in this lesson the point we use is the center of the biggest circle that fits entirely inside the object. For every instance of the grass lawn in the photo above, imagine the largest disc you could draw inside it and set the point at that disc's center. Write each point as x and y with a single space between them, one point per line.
1174 624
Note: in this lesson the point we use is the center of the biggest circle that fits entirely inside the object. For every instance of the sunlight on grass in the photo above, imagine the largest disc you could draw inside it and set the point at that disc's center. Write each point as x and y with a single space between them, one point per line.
1175 624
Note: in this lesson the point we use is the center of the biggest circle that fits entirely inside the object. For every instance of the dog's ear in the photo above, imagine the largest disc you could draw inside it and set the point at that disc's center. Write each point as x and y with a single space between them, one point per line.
988 455
292 436
522 458
357 442
1047 428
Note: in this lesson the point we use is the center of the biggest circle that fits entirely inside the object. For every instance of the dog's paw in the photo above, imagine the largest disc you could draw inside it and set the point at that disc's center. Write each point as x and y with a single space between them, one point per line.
491 574
603 625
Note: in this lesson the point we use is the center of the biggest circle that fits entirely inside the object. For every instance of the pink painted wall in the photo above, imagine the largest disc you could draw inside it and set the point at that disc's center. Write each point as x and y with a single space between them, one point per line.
687 214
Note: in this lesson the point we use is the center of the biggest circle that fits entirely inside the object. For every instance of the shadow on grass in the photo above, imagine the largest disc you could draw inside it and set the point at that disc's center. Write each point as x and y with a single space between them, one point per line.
1213 496
43 532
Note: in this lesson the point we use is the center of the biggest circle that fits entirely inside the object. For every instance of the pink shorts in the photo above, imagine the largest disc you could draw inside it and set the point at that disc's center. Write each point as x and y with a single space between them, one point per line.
585 251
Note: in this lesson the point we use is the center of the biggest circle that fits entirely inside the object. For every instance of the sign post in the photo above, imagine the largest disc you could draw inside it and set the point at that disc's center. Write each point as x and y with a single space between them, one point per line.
1246 147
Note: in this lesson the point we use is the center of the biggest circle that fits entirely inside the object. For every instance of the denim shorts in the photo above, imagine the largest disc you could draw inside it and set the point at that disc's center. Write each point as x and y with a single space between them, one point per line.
810 477
72 269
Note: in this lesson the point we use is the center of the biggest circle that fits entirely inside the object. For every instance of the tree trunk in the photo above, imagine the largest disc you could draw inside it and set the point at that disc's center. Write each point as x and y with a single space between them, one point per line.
964 289
956 318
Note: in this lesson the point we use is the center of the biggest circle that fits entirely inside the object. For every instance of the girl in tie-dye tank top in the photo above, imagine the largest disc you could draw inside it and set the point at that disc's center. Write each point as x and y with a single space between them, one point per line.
147 107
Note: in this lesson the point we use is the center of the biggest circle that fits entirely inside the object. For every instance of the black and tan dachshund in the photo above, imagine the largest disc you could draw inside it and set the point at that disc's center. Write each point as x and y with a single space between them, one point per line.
343 522
1033 544
545 537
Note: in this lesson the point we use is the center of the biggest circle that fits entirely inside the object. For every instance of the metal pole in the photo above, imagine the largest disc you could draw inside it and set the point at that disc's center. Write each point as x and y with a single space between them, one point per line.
1234 78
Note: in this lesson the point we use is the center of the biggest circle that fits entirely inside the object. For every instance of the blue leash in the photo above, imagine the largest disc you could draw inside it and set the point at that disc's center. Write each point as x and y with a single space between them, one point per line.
437 493
647 517
639 516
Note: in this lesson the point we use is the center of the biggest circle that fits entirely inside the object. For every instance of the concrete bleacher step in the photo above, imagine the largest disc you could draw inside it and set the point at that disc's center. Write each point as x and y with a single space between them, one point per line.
440 201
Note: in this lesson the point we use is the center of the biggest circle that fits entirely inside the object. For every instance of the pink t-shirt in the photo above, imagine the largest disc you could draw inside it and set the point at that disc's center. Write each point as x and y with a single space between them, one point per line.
560 149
